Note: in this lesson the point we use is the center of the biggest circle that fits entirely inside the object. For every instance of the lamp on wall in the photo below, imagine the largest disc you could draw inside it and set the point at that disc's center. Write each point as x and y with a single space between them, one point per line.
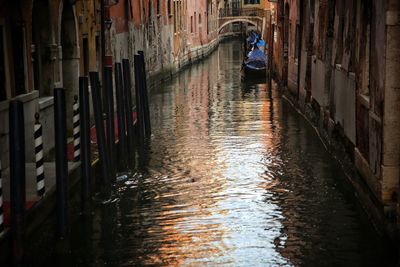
108 23
107 5
107 18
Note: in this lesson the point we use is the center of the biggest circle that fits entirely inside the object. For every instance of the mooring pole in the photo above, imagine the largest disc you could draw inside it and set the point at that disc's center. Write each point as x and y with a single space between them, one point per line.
120 115
139 106
76 129
145 97
1 203
128 110
60 126
39 157
101 138
103 50
110 123
85 141
17 179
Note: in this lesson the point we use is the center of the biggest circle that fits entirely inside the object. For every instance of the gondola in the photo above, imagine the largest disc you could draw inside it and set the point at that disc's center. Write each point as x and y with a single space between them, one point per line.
254 69
255 63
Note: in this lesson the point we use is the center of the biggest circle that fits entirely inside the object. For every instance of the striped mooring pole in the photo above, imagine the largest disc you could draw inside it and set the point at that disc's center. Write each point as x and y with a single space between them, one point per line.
1 204
77 130
38 134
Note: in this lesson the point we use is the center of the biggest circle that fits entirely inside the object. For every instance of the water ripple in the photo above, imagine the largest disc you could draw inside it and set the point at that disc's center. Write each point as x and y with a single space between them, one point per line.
233 177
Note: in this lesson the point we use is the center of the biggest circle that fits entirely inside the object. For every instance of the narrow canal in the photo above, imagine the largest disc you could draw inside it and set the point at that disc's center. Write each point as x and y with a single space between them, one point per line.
233 176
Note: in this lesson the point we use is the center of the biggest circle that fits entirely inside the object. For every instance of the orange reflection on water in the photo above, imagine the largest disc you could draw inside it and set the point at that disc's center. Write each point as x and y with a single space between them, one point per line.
190 232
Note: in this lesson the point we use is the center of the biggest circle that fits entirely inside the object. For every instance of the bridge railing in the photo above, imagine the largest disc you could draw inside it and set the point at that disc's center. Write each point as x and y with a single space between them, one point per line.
241 12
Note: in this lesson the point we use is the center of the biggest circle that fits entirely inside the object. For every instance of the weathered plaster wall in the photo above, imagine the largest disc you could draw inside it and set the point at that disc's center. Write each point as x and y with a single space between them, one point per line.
293 59
391 119
348 84
167 46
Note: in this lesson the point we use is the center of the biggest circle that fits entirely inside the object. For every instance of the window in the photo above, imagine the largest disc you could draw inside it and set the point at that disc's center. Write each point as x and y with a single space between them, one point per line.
169 7
199 18
184 15
195 27
251 2
158 6
297 48
179 16
208 21
191 24
175 17
150 9
339 40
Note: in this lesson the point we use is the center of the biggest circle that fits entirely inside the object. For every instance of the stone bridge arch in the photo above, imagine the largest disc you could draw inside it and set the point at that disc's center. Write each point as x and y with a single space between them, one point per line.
230 21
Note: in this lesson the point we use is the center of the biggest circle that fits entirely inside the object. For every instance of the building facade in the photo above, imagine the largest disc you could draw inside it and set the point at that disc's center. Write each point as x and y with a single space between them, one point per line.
338 60
40 45
45 44
172 33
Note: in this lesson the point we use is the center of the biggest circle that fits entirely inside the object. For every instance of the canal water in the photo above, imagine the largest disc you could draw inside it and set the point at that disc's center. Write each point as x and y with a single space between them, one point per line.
233 176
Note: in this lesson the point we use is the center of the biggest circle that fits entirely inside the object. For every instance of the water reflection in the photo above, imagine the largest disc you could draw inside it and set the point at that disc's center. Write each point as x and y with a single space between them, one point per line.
233 176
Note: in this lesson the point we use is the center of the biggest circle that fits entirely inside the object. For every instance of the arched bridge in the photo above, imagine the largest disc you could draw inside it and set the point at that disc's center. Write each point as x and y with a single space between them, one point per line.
254 16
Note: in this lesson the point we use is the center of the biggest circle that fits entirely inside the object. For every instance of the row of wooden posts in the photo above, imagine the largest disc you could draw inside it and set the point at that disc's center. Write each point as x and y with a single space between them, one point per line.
129 134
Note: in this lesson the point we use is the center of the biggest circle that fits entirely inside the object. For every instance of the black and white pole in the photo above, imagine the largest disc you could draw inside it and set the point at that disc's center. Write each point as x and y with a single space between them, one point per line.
1 204
38 135
77 130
